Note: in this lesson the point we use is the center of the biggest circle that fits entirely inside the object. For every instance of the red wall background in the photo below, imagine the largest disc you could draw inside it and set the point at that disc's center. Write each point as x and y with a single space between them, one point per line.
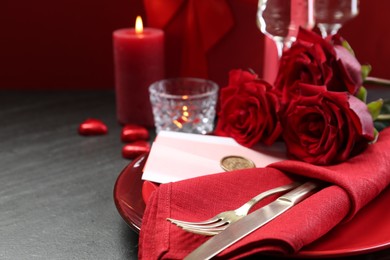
369 35
64 44
61 44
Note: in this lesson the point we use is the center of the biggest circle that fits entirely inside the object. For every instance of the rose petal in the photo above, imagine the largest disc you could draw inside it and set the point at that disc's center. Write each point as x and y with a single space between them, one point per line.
92 126
362 117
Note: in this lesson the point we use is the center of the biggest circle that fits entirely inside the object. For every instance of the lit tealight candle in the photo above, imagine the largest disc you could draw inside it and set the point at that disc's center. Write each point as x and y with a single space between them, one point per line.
139 61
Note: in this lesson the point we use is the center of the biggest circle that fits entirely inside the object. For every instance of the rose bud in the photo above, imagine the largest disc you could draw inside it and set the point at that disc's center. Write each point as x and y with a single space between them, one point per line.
248 110
317 61
324 127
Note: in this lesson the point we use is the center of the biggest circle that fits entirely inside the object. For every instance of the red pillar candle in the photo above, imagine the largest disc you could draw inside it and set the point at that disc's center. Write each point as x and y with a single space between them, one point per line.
138 61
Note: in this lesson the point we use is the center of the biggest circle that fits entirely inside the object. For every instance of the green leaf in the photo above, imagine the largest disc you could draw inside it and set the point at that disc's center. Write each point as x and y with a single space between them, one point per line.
366 69
346 45
386 107
376 135
380 123
375 108
362 94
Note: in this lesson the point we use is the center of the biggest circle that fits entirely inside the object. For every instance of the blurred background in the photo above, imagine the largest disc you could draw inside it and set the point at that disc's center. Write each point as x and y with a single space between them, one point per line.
67 44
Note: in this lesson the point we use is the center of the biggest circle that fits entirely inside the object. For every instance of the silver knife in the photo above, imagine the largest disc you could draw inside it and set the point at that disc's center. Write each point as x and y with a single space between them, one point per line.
251 222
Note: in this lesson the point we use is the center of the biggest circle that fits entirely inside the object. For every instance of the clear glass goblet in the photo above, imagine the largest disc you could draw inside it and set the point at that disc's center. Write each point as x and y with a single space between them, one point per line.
330 15
281 19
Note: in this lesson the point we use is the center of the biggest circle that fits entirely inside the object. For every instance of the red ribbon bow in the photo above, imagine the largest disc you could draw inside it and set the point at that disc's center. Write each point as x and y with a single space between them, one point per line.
205 23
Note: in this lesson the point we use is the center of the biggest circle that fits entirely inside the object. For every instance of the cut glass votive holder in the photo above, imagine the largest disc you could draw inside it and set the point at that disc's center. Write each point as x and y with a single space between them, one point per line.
184 105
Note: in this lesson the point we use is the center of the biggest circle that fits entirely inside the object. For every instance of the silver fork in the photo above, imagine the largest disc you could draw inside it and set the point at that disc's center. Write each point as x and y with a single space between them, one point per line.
222 220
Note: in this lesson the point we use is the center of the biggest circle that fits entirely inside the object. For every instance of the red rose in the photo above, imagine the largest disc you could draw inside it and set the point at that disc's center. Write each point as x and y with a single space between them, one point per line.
324 127
248 110
314 60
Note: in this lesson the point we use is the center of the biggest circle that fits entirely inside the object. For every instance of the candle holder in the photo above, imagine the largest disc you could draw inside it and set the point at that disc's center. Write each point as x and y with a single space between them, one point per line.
184 105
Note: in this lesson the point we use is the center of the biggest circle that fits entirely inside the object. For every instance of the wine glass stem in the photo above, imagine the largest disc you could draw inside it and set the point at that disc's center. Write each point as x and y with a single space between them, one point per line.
328 29
279 47
283 43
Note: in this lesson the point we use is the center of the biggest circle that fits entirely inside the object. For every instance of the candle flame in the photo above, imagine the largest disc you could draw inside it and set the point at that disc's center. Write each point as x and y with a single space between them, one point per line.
138 25
178 124
185 113
183 119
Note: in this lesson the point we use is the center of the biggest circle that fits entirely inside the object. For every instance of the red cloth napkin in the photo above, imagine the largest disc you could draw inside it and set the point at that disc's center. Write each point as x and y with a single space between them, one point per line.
352 185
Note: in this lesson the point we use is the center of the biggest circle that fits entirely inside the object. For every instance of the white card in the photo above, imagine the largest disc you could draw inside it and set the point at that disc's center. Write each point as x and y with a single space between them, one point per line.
177 156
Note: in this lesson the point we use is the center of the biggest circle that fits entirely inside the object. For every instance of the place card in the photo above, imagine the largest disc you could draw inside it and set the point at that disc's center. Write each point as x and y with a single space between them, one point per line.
177 156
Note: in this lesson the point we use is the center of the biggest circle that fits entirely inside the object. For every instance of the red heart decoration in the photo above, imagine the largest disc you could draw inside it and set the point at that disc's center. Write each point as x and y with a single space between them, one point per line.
92 126
131 133
133 150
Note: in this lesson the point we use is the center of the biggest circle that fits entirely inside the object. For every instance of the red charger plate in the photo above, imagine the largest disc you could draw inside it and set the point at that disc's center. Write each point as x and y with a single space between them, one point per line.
367 232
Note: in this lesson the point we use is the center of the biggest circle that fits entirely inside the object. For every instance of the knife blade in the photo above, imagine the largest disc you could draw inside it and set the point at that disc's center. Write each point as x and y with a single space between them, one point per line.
252 222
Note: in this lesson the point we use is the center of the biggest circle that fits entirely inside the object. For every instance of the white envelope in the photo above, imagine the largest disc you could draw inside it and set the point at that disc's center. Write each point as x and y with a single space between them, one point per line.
177 156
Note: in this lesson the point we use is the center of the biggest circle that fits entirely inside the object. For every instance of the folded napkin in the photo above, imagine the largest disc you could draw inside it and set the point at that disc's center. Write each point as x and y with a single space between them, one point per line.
350 186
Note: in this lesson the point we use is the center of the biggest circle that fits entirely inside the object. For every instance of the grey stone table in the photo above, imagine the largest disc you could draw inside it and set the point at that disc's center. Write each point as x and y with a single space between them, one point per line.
56 187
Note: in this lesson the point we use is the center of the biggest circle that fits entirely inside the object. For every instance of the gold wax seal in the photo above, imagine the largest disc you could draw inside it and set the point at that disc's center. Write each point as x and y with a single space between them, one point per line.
235 162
